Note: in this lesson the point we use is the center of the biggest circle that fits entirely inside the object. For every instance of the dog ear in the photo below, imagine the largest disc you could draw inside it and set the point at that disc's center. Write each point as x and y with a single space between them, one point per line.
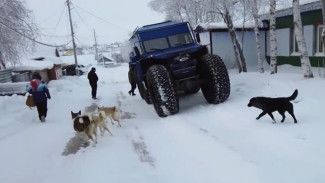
79 112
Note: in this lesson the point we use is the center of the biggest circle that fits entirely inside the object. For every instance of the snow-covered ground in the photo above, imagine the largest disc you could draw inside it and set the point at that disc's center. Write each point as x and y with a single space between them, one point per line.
202 143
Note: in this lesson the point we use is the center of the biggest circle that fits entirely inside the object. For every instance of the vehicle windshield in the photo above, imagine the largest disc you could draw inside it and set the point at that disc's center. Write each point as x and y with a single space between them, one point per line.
180 39
162 43
155 44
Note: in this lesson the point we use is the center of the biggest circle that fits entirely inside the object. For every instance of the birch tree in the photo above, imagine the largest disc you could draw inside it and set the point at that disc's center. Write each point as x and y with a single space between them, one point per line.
304 58
223 8
15 21
323 33
323 12
273 41
255 5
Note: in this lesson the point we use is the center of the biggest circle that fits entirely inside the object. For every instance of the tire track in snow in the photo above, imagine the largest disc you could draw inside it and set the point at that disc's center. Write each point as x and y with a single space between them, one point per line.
138 142
140 148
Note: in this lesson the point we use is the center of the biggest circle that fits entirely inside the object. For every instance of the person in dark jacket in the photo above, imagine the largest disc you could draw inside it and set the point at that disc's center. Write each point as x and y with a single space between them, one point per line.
40 94
92 77
132 80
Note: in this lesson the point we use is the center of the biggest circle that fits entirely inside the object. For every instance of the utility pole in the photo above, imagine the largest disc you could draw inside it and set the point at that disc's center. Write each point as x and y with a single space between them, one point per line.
73 42
96 51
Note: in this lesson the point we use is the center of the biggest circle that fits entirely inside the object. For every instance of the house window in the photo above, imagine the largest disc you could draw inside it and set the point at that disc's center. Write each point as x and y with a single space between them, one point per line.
320 46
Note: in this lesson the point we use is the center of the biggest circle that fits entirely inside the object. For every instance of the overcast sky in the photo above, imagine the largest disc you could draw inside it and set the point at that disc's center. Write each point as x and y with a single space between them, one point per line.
113 20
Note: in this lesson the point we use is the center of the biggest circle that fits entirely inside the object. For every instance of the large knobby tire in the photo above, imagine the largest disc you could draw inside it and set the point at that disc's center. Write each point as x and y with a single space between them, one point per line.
215 84
143 92
162 90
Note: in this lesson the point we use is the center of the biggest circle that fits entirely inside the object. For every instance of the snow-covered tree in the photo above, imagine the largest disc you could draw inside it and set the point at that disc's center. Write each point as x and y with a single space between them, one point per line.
254 6
125 50
197 11
323 33
192 11
273 41
16 24
304 58
223 7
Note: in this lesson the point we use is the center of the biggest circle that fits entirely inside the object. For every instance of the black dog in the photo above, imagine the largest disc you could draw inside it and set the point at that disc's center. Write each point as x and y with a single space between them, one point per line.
269 105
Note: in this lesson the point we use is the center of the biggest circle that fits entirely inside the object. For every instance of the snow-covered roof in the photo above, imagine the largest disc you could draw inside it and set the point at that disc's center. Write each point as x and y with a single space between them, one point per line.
34 65
301 2
43 57
305 5
222 25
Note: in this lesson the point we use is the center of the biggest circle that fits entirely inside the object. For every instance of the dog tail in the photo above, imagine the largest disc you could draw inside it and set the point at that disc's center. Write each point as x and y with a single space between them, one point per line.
293 96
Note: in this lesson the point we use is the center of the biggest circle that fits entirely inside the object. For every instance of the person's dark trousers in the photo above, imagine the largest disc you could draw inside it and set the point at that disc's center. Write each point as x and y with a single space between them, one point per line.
93 90
42 109
133 87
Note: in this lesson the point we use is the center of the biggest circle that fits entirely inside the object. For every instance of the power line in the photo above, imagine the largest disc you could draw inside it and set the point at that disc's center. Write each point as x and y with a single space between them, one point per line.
51 15
56 26
102 19
82 20
46 35
78 40
32 39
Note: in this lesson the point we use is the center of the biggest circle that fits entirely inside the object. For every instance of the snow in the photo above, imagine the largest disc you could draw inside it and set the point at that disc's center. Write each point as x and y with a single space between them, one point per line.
236 24
34 65
202 143
47 54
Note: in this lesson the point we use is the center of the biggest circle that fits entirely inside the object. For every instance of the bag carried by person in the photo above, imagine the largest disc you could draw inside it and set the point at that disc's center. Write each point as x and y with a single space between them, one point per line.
29 101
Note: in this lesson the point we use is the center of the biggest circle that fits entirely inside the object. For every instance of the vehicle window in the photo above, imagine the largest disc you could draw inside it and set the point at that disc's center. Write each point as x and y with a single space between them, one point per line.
155 44
180 39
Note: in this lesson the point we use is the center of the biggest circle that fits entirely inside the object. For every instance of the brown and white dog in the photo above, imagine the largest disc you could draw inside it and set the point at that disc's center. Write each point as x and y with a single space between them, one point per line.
112 113
84 123
100 121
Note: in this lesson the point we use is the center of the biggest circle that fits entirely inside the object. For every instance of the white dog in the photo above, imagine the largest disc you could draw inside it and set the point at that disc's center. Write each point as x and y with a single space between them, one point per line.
112 113
101 121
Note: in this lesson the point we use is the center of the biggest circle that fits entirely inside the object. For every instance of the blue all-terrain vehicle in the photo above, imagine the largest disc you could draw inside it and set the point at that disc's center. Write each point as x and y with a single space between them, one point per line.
167 61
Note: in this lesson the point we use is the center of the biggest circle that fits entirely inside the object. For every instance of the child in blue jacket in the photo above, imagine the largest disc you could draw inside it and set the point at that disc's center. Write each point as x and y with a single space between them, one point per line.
40 94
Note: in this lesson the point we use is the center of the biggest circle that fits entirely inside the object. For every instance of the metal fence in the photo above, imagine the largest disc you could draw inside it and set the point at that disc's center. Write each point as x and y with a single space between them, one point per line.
5 76
21 77
13 88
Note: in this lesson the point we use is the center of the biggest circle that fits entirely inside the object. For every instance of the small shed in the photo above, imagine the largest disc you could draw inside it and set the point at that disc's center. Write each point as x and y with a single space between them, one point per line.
217 37
104 60
44 60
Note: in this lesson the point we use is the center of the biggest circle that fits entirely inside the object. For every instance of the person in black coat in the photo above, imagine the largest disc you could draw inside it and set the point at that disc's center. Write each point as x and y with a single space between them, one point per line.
92 77
132 80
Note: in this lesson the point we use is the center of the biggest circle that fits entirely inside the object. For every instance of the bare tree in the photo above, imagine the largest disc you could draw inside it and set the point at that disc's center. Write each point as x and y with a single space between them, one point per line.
125 50
273 41
323 33
323 12
192 11
171 9
223 8
16 24
304 58
254 6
